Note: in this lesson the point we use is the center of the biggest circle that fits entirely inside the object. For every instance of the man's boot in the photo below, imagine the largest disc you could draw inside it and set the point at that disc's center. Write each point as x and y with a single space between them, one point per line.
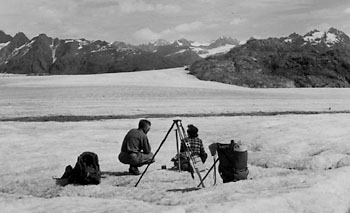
134 170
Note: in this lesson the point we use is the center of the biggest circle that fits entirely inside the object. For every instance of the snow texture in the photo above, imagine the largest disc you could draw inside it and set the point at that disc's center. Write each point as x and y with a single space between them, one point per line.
297 163
315 37
198 44
331 38
221 50
2 45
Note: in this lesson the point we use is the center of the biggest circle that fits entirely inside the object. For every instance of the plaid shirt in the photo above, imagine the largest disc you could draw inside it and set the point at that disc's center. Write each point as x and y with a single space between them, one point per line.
196 146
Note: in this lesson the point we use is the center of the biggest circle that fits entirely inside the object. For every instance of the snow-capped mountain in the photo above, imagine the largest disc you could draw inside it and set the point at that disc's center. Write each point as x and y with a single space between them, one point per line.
4 38
330 38
222 41
316 59
219 46
46 55
12 46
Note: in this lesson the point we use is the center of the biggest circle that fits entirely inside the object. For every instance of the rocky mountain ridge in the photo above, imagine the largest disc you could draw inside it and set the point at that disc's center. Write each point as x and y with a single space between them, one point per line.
316 59
43 55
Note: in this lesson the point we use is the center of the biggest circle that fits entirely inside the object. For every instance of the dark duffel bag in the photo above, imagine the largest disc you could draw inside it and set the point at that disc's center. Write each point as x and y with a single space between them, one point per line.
233 160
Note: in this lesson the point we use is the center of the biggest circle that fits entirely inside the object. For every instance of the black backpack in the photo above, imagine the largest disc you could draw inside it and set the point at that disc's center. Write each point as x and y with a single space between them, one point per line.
233 162
86 170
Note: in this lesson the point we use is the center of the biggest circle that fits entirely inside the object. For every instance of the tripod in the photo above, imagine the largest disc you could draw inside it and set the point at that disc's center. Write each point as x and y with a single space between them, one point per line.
180 133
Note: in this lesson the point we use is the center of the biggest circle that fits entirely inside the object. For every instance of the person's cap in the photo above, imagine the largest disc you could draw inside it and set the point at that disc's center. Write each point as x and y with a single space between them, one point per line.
192 128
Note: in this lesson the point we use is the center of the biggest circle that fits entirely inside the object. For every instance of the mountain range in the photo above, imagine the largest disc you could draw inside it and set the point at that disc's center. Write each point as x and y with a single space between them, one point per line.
316 59
44 55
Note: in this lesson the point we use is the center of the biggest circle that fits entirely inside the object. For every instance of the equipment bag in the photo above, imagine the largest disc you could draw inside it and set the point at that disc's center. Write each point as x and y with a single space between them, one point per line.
86 170
184 162
233 162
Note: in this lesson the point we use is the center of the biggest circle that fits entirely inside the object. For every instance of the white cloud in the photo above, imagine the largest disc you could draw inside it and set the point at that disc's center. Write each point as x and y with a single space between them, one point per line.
274 4
132 6
207 1
347 10
92 4
237 21
187 27
147 34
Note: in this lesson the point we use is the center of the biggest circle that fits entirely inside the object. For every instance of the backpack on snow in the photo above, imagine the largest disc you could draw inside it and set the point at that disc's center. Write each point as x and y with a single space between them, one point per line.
184 162
233 159
86 170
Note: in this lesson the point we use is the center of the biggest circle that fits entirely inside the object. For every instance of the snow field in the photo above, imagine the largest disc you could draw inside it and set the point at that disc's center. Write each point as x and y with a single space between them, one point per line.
170 91
297 163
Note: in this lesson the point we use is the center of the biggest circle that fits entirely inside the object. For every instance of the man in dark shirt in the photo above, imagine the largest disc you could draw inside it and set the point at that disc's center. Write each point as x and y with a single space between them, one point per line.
136 150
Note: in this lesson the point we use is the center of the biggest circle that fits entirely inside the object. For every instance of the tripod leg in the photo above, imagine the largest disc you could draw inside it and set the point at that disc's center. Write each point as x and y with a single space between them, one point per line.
215 160
155 153
178 150
213 166
200 178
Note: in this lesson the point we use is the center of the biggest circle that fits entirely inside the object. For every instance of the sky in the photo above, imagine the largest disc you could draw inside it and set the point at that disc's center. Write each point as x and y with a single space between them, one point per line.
143 21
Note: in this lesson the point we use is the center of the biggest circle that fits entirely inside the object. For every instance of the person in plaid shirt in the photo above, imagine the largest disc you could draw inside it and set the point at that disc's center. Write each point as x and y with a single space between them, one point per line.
196 144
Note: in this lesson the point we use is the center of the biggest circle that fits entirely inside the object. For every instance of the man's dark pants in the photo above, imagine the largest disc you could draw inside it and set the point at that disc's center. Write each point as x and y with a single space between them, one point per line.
135 159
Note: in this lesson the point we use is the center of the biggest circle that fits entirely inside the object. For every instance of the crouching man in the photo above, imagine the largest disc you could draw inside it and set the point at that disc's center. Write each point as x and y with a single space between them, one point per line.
136 150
